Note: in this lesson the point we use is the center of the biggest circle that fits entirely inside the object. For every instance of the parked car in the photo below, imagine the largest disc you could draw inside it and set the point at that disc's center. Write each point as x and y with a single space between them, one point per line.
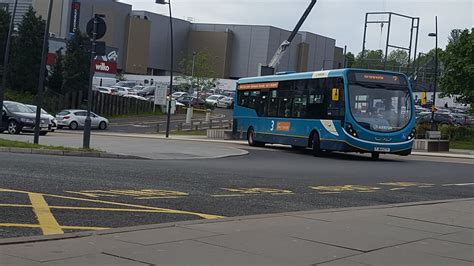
191 101
73 119
213 99
439 118
125 90
107 90
462 119
147 91
53 123
126 83
178 94
18 117
226 102
135 97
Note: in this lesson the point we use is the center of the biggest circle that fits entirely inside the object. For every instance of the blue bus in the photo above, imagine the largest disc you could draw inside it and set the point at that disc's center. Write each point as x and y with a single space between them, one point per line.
347 110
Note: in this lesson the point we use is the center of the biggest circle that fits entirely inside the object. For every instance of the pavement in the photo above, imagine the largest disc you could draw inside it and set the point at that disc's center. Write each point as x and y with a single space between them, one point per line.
422 233
148 148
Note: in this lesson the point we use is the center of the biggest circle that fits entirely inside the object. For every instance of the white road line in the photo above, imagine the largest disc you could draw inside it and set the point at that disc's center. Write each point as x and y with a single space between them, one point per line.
462 184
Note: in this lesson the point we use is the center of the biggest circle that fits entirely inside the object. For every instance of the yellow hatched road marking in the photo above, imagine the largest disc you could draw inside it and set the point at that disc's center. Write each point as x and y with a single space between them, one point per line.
63 226
202 215
47 222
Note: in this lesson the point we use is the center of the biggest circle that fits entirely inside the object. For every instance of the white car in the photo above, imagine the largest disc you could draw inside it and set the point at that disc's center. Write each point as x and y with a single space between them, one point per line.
124 91
178 94
73 119
135 97
226 102
107 90
53 123
214 99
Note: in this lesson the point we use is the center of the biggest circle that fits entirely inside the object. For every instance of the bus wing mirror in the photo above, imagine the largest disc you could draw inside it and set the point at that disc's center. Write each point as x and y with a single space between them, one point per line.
335 94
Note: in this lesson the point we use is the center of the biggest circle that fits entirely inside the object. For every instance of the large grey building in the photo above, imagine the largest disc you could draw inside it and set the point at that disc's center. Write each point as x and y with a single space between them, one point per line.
139 41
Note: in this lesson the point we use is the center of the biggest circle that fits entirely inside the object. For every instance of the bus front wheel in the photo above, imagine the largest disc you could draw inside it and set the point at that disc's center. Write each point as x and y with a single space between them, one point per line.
375 156
251 139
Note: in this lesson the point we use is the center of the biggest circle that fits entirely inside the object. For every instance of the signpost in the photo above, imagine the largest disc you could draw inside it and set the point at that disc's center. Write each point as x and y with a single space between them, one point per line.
96 29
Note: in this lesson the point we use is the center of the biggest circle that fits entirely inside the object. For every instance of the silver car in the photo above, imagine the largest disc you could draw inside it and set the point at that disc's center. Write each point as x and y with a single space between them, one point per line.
73 119
53 123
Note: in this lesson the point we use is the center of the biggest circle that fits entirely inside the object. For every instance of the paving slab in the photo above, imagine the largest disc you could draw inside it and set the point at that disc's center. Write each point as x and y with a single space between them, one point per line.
156 236
444 249
404 255
464 237
190 252
279 247
278 225
436 215
96 259
11 260
62 249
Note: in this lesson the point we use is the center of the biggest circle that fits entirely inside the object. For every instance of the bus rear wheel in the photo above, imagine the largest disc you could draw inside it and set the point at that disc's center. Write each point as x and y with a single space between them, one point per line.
251 139
315 144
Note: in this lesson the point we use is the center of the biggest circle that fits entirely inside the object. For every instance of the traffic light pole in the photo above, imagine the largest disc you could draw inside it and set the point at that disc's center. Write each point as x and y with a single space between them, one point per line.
87 126
42 77
5 62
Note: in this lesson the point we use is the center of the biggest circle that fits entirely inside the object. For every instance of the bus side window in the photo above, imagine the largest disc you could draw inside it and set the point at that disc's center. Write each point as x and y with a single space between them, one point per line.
273 103
254 99
315 106
244 98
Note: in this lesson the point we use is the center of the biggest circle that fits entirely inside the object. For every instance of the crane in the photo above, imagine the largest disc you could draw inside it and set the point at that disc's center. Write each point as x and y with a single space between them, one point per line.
270 69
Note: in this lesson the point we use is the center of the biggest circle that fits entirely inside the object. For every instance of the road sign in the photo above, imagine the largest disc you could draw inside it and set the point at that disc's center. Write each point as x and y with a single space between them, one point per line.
161 91
101 28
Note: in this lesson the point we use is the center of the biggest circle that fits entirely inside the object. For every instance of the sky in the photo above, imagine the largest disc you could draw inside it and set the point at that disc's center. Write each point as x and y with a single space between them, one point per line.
342 20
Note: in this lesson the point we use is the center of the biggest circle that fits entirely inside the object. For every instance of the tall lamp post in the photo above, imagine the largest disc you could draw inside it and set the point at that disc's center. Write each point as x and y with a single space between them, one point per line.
433 107
44 56
5 61
168 118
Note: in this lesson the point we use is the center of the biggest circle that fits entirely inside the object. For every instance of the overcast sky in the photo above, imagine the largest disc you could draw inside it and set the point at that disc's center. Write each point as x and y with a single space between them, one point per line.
342 20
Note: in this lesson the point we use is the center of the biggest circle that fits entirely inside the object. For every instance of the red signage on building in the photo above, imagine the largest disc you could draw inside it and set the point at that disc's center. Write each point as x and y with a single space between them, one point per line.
105 67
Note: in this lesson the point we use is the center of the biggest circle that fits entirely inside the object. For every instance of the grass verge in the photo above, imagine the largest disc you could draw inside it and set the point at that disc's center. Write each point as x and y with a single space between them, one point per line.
28 145
464 145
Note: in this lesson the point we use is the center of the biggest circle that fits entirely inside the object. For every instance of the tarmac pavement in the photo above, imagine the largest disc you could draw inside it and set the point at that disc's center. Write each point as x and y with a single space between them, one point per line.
426 233
149 148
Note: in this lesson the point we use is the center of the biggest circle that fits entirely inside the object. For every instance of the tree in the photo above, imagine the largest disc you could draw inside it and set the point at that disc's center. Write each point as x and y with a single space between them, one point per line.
76 65
204 76
458 60
27 49
4 27
397 60
350 58
372 59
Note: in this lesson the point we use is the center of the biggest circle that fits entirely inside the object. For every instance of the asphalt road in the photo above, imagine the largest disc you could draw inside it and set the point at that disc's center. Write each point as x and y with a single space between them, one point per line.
48 194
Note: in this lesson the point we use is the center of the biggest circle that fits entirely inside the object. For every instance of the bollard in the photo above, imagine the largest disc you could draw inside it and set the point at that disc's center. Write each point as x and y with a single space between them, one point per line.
210 124
157 128
189 115
208 115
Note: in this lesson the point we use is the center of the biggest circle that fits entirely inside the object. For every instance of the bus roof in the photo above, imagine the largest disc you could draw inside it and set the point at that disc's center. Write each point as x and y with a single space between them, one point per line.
306 75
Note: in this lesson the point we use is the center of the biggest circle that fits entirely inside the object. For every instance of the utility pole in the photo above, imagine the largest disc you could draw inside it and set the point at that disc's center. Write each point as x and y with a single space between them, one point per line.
42 77
5 61
433 107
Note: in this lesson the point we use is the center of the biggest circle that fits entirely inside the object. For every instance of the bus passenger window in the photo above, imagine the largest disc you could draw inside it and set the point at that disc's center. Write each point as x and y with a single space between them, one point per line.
254 99
273 103
244 98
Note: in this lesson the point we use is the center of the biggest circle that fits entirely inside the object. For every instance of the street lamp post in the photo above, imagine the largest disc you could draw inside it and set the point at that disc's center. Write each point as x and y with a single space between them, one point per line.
168 117
433 107
42 73
5 61
192 71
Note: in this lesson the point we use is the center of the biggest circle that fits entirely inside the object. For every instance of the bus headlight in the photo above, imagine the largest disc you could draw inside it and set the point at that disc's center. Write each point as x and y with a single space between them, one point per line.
351 130
412 134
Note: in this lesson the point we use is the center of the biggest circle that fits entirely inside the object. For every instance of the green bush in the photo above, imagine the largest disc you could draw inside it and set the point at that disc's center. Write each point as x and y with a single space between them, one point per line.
15 96
457 132
421 129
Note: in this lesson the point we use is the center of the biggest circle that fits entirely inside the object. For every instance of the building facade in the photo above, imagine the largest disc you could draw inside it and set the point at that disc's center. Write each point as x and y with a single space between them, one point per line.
138 42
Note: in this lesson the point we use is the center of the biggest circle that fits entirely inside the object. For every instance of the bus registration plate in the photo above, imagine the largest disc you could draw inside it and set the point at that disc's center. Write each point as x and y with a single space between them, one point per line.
382 149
